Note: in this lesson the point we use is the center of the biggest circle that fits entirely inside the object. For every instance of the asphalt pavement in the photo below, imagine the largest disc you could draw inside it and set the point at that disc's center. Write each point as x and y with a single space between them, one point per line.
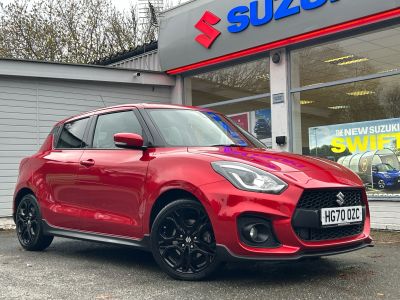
72 269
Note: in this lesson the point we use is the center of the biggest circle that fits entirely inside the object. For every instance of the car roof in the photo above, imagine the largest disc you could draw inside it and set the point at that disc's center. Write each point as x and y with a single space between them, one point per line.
130 106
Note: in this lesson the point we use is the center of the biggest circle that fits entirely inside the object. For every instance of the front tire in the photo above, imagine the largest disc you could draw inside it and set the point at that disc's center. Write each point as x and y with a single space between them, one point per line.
381 184
183 241
29 225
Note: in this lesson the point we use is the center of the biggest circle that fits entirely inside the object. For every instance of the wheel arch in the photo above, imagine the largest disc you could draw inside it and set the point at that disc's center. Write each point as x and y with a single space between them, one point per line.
18 197
168 197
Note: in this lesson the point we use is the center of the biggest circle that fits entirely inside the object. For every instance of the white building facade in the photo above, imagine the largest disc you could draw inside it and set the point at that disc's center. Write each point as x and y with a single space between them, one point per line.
318 78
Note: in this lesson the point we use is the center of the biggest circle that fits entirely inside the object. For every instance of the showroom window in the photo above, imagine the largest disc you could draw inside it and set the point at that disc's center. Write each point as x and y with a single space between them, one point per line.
346 105
241 92
372 53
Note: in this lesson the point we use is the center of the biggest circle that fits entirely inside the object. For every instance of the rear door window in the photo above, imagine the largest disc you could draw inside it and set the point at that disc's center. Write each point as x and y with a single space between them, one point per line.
72 135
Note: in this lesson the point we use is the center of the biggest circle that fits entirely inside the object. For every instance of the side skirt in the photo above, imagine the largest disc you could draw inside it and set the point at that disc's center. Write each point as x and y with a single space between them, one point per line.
143 244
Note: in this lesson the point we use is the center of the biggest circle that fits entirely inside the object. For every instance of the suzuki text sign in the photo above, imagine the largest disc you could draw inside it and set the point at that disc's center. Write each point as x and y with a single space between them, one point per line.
241 17
205 29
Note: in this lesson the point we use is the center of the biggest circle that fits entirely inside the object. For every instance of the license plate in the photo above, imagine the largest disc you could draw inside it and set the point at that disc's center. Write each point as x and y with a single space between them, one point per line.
341 215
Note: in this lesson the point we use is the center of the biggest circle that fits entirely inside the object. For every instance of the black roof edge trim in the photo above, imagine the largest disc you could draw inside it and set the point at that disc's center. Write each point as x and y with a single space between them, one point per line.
120 56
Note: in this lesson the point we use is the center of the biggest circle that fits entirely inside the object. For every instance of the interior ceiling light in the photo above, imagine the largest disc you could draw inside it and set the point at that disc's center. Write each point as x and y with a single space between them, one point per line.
388 71
339 107
306 102
360 93
339 59
354 61
313 84
262 77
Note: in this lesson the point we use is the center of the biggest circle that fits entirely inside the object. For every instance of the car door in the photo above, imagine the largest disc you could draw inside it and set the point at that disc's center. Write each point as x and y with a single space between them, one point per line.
111 179
61 173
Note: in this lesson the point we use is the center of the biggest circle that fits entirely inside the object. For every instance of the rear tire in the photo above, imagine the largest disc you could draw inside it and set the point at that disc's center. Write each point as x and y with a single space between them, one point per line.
29 225
183 241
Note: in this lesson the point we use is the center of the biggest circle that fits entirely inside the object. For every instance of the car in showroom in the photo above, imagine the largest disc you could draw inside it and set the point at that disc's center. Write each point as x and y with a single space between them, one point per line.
385 176
262 129
190 186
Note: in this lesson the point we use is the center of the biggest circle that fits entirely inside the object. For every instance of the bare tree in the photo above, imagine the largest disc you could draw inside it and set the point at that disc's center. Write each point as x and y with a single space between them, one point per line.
391 100
75 31
150 30
152 25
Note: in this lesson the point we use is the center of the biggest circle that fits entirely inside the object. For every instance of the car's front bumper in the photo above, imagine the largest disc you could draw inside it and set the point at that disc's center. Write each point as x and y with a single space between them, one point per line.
228 204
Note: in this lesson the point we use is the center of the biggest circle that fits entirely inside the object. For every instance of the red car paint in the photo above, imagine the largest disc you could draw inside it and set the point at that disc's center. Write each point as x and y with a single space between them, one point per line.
115 196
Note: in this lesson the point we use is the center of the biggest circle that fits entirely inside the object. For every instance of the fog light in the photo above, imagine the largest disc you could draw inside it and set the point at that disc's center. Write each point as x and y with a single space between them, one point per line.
253 233
257 233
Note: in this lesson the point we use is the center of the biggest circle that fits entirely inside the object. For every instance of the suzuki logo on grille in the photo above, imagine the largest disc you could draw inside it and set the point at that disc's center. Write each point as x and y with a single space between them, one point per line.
188 239
340 199
205 25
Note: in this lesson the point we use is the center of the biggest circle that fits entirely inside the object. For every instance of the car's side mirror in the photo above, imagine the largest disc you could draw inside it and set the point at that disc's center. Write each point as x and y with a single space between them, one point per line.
129 140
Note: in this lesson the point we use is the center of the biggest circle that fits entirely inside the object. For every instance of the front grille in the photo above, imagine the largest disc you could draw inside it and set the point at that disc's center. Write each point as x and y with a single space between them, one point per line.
330 233
317 199
314 200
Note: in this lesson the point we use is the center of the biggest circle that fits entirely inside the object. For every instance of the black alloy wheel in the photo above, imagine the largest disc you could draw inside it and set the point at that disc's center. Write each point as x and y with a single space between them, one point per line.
29 225
183 241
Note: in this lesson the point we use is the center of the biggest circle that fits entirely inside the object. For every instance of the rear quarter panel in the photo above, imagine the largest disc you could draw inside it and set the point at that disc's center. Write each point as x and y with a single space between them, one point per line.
30 177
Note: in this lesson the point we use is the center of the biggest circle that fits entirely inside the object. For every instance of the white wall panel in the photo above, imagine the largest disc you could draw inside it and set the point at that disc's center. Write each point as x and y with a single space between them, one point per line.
385 215
147 61
29 108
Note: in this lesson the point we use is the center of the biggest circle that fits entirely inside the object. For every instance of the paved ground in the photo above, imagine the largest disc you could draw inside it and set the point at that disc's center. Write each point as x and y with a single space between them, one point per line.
81 270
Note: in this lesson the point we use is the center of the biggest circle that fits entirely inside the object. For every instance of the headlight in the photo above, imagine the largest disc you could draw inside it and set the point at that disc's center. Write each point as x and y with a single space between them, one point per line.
249 178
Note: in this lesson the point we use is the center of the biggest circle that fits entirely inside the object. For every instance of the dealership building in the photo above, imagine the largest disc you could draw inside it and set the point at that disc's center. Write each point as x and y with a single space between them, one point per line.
314 77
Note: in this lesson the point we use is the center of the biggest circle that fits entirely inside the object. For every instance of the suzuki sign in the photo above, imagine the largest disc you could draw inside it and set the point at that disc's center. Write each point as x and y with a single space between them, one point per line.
201 31
242 16
209 33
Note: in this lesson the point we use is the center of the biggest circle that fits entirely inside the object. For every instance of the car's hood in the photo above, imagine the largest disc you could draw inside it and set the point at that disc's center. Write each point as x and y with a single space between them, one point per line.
273 161
392 174
297 167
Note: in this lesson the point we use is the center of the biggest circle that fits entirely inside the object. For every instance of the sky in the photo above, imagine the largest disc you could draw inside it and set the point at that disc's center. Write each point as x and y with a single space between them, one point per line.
120 4
125 4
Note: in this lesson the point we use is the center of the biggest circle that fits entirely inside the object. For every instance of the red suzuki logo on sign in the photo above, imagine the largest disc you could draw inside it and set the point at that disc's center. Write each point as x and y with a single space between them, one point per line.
205 25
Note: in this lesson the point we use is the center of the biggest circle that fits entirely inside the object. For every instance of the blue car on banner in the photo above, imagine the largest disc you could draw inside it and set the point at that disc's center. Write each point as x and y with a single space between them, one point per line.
385 176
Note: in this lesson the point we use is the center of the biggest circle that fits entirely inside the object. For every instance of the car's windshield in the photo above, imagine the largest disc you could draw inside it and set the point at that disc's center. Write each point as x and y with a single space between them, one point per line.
191 128
385 168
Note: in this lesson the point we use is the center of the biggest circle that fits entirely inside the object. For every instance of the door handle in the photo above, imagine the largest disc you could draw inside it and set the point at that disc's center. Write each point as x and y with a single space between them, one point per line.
87 163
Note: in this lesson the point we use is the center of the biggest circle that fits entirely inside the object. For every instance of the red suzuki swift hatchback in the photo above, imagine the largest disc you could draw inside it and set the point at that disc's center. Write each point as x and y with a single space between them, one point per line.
190 186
